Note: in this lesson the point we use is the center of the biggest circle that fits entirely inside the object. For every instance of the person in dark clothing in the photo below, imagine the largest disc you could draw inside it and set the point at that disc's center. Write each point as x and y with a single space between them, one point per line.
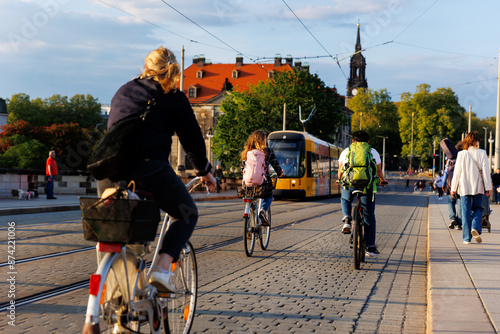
495 179
171 112
218 177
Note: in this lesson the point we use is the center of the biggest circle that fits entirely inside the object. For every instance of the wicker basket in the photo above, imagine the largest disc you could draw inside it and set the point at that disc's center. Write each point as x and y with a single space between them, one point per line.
119 220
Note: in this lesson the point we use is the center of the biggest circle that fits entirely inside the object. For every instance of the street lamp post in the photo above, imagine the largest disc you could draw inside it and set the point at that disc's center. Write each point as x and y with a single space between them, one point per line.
485 136
210 135
411 153
383 154
491 141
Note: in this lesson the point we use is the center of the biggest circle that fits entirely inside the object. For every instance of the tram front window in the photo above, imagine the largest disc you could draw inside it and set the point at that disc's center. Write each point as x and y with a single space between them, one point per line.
290 154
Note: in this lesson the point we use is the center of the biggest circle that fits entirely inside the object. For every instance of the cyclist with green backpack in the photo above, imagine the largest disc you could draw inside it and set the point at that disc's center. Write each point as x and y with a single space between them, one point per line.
359 168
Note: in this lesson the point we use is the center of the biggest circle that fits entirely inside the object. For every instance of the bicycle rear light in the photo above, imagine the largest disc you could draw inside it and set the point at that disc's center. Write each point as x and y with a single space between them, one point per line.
109 247
95 281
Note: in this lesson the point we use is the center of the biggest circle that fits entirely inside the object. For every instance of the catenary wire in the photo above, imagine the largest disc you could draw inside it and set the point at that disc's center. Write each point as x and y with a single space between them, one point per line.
309 31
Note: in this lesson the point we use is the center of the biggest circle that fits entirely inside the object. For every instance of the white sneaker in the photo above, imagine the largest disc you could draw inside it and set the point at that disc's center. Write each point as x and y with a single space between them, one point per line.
346 229
476 236
162 279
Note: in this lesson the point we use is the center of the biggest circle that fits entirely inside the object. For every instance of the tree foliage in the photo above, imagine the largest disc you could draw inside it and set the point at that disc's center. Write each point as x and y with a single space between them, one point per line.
435 116
71 142
379 117
261 107
24 153
81 109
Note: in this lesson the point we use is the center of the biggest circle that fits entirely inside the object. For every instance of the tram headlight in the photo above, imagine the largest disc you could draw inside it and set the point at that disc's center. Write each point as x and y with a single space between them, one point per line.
293 183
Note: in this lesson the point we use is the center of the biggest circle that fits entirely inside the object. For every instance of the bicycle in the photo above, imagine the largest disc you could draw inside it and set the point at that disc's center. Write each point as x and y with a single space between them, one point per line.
358 235
253 226
120 297
357 238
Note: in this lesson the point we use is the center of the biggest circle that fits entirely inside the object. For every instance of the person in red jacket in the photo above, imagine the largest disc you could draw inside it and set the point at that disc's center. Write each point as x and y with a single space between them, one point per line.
51 172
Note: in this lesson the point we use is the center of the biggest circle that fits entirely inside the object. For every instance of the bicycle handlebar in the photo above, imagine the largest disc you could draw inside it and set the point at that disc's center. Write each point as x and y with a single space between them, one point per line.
191 185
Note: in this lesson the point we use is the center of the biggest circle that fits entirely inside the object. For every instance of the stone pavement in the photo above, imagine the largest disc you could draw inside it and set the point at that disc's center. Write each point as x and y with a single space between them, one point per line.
463 280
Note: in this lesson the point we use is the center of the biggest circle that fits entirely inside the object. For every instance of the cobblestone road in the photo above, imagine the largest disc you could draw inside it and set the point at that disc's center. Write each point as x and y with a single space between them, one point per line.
303 283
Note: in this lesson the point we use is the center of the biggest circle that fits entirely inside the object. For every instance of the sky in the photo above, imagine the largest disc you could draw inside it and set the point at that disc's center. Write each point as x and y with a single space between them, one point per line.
70 47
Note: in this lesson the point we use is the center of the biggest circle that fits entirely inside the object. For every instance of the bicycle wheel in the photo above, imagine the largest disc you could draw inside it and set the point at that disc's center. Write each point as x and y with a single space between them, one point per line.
249 232
265 232
361 242
118 286
356 239
179 314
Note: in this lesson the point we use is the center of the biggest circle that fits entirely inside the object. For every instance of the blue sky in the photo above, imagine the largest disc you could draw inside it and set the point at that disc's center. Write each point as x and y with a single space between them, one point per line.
92 47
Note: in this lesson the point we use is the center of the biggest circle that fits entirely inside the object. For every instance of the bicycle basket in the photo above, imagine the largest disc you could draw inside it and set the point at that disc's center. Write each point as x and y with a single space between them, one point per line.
119 220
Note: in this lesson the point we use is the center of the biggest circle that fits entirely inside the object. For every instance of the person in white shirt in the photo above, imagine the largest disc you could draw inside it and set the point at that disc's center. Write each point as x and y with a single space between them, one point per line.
471 180
439 185
366 200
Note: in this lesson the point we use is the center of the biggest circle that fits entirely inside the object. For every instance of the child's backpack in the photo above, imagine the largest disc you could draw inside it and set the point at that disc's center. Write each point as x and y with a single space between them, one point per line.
255 168
360 170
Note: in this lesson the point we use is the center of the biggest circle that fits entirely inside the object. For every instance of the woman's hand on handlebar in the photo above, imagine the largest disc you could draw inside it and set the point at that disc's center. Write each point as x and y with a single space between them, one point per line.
209 181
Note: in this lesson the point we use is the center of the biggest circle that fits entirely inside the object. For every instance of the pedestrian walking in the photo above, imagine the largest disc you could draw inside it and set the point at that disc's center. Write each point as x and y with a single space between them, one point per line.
495 179
439 185
471 180
218 174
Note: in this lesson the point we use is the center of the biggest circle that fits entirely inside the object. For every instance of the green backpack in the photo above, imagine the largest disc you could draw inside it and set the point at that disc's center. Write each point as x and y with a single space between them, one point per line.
360 169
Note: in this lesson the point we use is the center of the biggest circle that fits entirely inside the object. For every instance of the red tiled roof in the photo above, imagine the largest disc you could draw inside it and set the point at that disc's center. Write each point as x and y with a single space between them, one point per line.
214 76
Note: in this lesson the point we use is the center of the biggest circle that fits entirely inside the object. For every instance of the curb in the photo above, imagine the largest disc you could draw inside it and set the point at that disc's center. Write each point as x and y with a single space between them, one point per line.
72 207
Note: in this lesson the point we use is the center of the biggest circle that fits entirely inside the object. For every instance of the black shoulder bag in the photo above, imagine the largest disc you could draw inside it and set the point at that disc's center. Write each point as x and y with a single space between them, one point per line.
115 154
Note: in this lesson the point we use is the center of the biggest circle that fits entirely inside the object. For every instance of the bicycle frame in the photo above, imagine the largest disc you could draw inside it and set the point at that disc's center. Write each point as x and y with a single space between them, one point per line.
248 203
113 250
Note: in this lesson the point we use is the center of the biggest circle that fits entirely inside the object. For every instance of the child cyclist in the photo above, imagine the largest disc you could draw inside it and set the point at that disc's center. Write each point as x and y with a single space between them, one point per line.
257 141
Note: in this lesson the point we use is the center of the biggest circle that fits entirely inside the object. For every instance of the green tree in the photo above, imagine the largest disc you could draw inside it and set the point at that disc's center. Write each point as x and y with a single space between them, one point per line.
82 109
379 117
72 143
24 153
434 116
261 107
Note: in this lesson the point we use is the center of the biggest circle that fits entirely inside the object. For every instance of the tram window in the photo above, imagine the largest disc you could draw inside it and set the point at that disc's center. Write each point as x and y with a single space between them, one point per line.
290 154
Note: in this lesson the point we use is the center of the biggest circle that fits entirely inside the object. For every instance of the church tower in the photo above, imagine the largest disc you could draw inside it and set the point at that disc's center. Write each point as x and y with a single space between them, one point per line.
357 77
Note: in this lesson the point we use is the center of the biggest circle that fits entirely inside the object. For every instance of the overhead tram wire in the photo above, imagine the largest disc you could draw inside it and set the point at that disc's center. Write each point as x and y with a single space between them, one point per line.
444 51
305 27
205 30
413 22
162 28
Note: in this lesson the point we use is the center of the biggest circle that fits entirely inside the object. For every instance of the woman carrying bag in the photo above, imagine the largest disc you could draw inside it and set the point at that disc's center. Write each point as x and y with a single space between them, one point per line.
471 180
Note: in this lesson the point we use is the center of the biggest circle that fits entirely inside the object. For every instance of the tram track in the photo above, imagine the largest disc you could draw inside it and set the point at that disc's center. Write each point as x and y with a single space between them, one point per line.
40 296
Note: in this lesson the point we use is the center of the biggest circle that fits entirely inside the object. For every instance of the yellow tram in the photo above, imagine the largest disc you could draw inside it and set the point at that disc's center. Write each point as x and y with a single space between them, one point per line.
310 165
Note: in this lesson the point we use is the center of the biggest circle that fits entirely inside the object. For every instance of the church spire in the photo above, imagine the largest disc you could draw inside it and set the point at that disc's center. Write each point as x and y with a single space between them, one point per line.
358 41
357 78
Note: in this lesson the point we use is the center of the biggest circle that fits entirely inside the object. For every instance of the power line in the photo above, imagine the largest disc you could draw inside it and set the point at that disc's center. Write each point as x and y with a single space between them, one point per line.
443 51
305 27
160 27
407 27
205 30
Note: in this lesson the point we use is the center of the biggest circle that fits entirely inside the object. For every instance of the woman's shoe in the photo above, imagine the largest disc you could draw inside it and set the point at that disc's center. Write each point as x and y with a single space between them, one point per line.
476 236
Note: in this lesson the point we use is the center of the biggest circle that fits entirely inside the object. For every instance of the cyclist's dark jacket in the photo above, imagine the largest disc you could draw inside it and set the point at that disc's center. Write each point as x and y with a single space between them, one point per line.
172 113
